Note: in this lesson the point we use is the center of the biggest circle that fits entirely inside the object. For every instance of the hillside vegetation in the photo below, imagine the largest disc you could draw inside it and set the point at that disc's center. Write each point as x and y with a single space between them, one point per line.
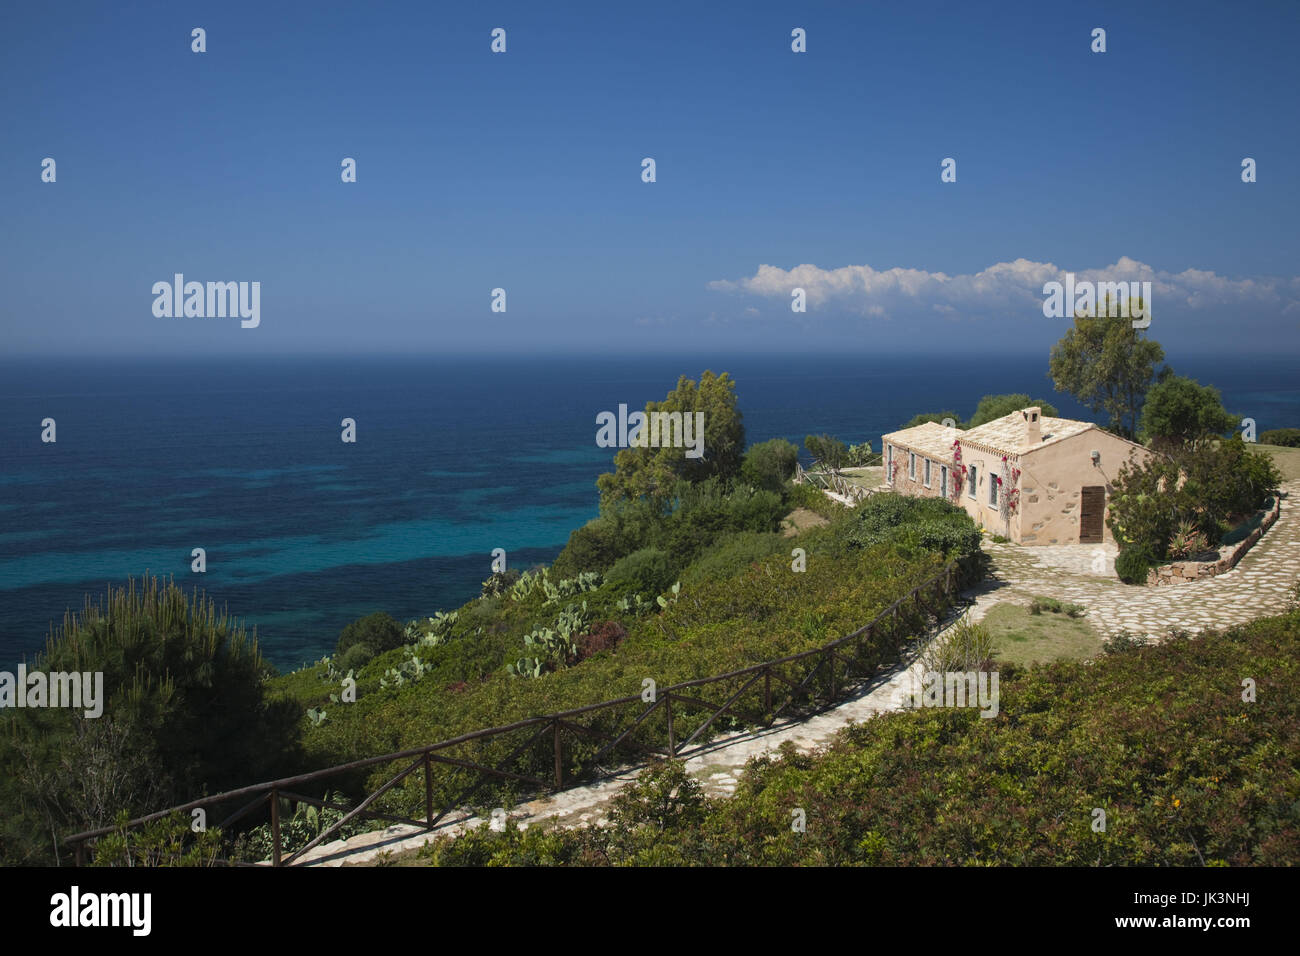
1158 738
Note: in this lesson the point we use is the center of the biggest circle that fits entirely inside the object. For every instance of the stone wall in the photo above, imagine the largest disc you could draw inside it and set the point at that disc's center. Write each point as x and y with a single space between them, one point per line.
1180 571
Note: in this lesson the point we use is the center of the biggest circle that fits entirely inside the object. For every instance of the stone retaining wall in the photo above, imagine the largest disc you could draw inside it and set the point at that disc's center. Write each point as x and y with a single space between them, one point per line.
1180 571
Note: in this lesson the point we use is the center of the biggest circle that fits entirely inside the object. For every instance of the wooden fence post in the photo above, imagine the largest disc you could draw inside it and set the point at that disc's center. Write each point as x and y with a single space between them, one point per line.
559 761
428 790
275 828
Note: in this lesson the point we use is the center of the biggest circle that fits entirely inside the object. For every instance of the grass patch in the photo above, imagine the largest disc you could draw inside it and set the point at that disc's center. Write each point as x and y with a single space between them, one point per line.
1286 459
1021 638
800 520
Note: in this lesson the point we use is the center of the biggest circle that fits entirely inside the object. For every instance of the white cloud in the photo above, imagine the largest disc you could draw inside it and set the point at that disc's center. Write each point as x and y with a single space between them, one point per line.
1006 288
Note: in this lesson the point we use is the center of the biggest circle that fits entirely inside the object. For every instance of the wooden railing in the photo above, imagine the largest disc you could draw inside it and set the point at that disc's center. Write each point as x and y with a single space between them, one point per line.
658 723
830 479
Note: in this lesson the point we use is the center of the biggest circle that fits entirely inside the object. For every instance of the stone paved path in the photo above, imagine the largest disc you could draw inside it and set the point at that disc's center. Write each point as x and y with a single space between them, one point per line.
1258 585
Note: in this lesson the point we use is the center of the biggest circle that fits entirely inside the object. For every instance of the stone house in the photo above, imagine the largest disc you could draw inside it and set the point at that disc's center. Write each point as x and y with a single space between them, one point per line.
1034 479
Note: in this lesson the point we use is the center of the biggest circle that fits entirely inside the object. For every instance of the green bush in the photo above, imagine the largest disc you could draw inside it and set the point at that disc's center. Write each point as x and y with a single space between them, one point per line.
1158 736
733 553
1286 437
1178 409
770 464
593 547
379 631
1133 563
1040 604
185 709
499 583
648 572
355 657
932 524
965 646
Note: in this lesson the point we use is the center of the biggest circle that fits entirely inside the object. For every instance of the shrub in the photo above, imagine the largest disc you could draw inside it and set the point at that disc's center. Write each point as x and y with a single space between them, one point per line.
1222 481
933 524
379 630
860 455
593 547
1179 409
355 657
499 583
604 636
1040 604
1286 437
963 647
648 571
185 710
1133 563
1144 505
733 553
1122 643
769 464
1186 541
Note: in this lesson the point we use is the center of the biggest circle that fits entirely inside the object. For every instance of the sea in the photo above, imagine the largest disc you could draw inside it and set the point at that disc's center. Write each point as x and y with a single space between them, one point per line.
454 457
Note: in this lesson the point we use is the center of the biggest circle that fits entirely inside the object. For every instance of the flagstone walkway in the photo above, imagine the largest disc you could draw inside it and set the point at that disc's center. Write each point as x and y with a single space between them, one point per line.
1085 574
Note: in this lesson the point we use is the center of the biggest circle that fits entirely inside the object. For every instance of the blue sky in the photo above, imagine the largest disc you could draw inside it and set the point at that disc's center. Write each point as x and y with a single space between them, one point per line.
523 171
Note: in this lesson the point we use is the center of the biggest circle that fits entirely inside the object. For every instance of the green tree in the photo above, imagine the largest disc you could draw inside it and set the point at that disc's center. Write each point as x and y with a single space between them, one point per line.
646 472
1180 410
996 406
184 711
770 464
1107 365
827 449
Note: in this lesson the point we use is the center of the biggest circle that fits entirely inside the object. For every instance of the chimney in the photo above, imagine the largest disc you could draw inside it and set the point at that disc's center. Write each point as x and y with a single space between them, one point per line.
1034 424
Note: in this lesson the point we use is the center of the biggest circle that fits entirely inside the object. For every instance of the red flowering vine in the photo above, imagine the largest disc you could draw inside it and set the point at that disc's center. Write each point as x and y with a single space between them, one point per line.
958 471
1009 481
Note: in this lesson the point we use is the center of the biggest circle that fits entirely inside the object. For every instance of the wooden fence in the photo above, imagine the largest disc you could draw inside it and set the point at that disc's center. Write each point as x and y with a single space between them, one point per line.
559 749
829 479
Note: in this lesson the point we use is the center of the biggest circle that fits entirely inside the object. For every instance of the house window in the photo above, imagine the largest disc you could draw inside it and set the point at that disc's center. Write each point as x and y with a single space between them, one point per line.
927 473
911 465
889 471
943 480
993 492
974 476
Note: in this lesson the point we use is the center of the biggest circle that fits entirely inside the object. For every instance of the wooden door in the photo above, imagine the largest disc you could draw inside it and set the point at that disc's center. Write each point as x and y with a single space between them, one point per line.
1091 512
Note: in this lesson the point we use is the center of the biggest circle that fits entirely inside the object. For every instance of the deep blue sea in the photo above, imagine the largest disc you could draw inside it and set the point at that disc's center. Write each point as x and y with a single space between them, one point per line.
454 457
